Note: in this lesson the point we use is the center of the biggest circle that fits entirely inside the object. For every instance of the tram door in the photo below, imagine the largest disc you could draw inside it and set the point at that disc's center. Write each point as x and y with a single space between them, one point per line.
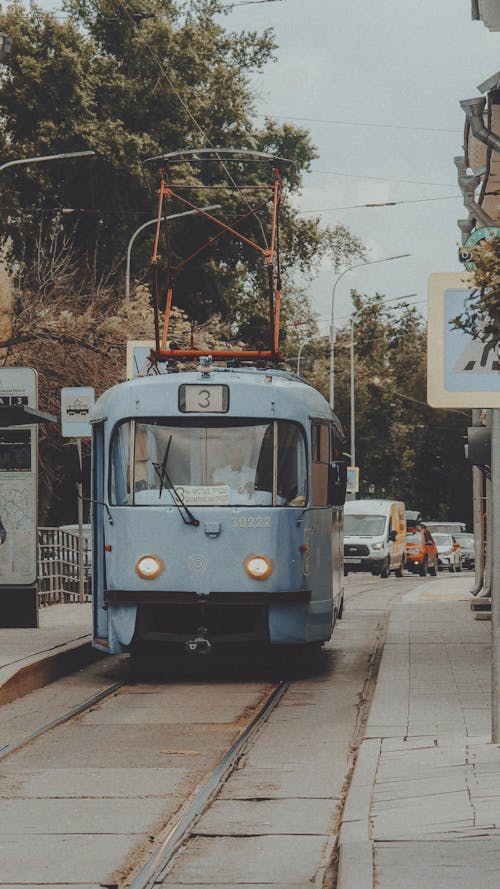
98 568
321 568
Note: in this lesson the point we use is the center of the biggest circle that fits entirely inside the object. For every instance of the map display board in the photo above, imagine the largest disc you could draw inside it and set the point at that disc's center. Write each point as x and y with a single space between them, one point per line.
18 482
462 370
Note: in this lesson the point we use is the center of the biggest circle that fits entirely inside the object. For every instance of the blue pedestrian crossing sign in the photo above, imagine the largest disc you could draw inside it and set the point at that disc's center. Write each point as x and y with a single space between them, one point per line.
462 370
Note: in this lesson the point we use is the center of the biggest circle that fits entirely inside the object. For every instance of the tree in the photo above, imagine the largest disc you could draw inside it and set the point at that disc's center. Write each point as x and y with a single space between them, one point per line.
481 316
405 449
130 88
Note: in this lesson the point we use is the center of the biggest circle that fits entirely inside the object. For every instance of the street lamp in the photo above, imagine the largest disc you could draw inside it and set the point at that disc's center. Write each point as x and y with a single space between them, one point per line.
153 222
332 325
46 157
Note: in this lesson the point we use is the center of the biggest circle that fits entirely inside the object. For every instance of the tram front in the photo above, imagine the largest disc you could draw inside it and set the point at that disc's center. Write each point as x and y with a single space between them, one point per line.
206 529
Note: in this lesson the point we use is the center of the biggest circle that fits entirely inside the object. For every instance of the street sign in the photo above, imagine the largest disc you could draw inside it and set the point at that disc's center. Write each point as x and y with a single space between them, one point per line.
18 481
485 233
137 357
352 480
462 370
76 405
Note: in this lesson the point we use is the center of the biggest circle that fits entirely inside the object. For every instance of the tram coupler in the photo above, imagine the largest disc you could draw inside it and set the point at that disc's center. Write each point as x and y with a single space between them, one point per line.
200 645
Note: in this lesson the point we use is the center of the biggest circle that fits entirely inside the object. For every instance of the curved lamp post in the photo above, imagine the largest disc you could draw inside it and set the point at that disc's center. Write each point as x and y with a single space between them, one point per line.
46 157
332 324
153 222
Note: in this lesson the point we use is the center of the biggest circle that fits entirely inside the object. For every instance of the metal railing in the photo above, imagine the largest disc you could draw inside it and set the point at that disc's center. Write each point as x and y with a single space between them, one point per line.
58 566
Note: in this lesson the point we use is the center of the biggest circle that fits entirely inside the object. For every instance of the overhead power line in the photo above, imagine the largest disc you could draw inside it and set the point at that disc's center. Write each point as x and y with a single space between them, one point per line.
358 123
451 197
382 178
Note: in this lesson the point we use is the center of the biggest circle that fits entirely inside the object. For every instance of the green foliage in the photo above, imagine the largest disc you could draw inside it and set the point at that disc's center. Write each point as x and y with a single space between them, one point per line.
404 448
130 88
481 317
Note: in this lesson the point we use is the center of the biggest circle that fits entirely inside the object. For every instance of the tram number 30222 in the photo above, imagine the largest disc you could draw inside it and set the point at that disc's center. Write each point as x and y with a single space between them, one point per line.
259 521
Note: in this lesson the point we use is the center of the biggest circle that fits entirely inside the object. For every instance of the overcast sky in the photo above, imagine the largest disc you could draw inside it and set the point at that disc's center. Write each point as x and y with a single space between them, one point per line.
378 85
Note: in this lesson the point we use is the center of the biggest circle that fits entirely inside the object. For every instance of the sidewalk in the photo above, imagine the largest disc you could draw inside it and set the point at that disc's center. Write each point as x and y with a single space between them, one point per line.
31 658
424 803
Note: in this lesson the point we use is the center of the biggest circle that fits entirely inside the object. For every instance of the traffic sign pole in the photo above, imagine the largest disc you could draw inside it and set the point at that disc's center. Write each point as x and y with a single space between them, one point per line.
79 487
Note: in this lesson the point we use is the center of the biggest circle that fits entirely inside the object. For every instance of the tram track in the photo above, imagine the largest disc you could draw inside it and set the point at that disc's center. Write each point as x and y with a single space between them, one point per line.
23 741
155 870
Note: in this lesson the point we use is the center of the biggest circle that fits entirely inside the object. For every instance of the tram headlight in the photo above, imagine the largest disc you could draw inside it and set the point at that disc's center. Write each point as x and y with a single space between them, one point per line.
149 567
258 567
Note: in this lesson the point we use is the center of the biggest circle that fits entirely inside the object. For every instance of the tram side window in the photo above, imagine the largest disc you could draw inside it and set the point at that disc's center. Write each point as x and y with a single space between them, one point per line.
320 453
291 465
121 467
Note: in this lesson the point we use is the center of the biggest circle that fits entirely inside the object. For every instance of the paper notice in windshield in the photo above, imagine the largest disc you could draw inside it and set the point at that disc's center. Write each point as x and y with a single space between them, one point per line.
204 495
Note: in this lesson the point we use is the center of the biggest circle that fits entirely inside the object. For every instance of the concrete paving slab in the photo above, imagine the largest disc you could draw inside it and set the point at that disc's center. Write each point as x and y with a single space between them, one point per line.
134 710
275 859
28 817
81 783
81 746
304 817
448 865
294 750
420 787
61 859
282 783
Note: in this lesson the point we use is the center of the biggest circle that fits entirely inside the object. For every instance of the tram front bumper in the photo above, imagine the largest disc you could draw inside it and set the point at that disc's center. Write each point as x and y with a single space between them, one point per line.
182 597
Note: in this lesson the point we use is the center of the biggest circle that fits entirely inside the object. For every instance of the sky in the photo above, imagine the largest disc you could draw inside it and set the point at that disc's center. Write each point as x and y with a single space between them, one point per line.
378 86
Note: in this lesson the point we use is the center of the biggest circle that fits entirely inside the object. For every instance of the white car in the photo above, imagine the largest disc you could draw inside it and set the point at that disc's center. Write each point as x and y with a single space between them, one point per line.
449 552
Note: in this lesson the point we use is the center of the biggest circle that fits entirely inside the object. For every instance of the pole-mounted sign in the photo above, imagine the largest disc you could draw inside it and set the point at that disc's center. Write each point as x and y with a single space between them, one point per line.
462 370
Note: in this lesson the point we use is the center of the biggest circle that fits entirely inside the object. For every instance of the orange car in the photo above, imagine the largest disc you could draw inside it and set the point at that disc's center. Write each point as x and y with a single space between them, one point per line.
421 552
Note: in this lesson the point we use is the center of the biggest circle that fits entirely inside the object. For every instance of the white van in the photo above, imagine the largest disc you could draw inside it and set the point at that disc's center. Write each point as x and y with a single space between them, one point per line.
375 536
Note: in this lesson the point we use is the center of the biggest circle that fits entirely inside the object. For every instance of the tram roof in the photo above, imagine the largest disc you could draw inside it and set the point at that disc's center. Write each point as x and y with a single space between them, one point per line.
265 393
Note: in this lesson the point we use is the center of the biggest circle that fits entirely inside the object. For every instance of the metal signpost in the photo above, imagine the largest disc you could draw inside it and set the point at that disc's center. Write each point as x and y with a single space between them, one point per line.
76 405
463 371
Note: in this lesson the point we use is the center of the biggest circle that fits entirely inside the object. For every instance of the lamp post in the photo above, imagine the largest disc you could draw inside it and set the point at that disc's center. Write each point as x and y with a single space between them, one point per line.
46 157
153 222
332 311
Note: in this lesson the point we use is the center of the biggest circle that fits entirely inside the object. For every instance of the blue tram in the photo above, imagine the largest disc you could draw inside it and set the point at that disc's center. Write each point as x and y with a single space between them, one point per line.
217 506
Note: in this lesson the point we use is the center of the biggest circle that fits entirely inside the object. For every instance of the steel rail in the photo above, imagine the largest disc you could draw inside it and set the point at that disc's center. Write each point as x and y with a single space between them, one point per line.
59 720
155 869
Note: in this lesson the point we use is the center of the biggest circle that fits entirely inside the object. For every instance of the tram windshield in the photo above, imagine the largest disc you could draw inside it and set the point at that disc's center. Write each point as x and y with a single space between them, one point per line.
364 525
257 463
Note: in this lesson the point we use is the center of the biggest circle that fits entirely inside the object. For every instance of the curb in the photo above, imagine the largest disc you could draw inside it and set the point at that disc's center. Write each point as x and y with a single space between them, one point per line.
355 868
43 670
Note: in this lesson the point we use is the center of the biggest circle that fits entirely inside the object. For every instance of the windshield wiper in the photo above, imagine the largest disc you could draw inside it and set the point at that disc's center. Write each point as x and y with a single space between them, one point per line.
161 471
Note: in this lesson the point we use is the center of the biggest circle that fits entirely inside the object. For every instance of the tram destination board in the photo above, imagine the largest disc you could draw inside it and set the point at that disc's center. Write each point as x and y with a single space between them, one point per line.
200 399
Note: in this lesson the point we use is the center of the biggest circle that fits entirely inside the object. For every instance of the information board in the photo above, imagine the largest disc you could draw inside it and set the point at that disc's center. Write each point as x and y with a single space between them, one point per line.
18 482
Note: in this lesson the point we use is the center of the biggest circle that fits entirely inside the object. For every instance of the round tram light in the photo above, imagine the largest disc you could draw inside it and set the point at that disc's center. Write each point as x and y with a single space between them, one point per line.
258 567
149 567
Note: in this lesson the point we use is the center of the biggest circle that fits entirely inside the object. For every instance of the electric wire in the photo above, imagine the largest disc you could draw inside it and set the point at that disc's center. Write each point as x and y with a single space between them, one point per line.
191 116
451 197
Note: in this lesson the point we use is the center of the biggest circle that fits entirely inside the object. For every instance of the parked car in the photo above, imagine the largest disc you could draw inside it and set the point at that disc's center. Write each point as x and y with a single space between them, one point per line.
374 537
413 519
449 552
445 527
421 552
467 546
